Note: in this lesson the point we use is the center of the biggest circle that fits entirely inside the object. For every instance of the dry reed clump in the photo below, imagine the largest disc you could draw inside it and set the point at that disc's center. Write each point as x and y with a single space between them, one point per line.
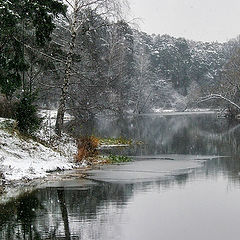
87 147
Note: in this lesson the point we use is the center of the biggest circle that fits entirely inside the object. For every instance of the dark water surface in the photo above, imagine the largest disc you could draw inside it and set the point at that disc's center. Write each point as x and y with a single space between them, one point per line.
149 198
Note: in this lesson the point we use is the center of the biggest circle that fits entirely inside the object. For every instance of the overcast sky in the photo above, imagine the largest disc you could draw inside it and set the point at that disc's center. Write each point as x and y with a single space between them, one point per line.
205 20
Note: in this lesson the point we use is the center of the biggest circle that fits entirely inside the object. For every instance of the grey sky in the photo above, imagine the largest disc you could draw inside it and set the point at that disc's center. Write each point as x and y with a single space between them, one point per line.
206 20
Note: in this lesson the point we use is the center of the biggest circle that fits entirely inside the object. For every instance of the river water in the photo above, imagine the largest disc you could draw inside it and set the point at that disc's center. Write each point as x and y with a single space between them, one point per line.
184 183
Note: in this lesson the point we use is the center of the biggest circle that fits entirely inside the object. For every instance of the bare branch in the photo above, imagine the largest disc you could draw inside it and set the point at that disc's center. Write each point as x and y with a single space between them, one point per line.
44 54
69 3
217 96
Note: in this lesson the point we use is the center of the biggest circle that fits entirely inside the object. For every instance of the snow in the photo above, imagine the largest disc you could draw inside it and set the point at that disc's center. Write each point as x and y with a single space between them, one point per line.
27 159
104 146
187 111
24 158
161 110
66 144
50 116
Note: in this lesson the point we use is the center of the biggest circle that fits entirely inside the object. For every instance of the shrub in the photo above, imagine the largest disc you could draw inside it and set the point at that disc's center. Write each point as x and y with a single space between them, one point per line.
87 147
26 114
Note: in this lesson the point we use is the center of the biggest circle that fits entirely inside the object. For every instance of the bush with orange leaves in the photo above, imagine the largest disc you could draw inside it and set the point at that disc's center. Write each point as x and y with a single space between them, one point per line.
87 147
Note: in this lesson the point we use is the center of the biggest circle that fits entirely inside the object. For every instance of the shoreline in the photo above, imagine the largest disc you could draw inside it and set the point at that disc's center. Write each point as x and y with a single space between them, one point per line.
25 163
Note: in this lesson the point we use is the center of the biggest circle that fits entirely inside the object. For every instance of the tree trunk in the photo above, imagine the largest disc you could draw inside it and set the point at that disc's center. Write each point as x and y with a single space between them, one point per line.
67 74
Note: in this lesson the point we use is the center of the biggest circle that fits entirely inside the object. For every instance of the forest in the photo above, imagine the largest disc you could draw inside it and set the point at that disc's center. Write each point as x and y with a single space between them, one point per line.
82 57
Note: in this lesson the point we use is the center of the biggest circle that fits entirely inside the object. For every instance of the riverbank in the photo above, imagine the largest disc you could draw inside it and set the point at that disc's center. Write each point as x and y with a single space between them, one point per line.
27 161
23 158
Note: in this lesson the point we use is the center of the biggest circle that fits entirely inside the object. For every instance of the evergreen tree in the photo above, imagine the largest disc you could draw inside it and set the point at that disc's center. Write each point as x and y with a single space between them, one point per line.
26 113
16 18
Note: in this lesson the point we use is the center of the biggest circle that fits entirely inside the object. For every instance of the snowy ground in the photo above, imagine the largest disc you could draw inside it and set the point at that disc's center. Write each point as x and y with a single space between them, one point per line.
23 158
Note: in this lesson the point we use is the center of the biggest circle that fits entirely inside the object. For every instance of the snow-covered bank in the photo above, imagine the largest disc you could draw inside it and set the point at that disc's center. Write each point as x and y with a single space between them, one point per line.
24 158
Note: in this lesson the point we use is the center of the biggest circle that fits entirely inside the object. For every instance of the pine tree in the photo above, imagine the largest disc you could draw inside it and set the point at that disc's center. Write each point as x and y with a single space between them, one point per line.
16 18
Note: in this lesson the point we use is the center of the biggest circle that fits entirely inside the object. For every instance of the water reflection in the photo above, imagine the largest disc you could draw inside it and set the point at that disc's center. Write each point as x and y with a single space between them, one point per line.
107 211
199 204
17 218
73 214
187 134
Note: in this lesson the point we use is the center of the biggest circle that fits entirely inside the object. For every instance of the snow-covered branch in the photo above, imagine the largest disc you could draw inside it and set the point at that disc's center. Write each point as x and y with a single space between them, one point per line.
44 54
217 96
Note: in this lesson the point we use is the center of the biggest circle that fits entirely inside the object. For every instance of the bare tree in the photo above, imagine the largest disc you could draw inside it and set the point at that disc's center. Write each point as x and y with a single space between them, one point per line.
227 89
73 24
143 89
119 60
230 82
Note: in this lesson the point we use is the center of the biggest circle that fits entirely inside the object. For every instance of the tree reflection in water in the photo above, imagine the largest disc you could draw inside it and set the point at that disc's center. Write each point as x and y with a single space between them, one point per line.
59 213
17 218
63 207
84 213
201 134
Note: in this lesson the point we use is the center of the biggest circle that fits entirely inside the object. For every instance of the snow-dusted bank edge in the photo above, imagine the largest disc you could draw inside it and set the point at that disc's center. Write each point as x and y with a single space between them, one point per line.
28 159
23 159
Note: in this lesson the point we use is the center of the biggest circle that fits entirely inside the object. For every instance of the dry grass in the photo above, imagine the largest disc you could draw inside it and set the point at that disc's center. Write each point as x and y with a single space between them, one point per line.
87 147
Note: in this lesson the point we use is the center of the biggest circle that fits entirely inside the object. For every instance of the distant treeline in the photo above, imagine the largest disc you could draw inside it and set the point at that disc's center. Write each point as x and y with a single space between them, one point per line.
113 67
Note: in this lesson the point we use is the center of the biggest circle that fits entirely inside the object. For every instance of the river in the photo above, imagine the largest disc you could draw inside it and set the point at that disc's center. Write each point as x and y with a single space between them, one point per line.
184 183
